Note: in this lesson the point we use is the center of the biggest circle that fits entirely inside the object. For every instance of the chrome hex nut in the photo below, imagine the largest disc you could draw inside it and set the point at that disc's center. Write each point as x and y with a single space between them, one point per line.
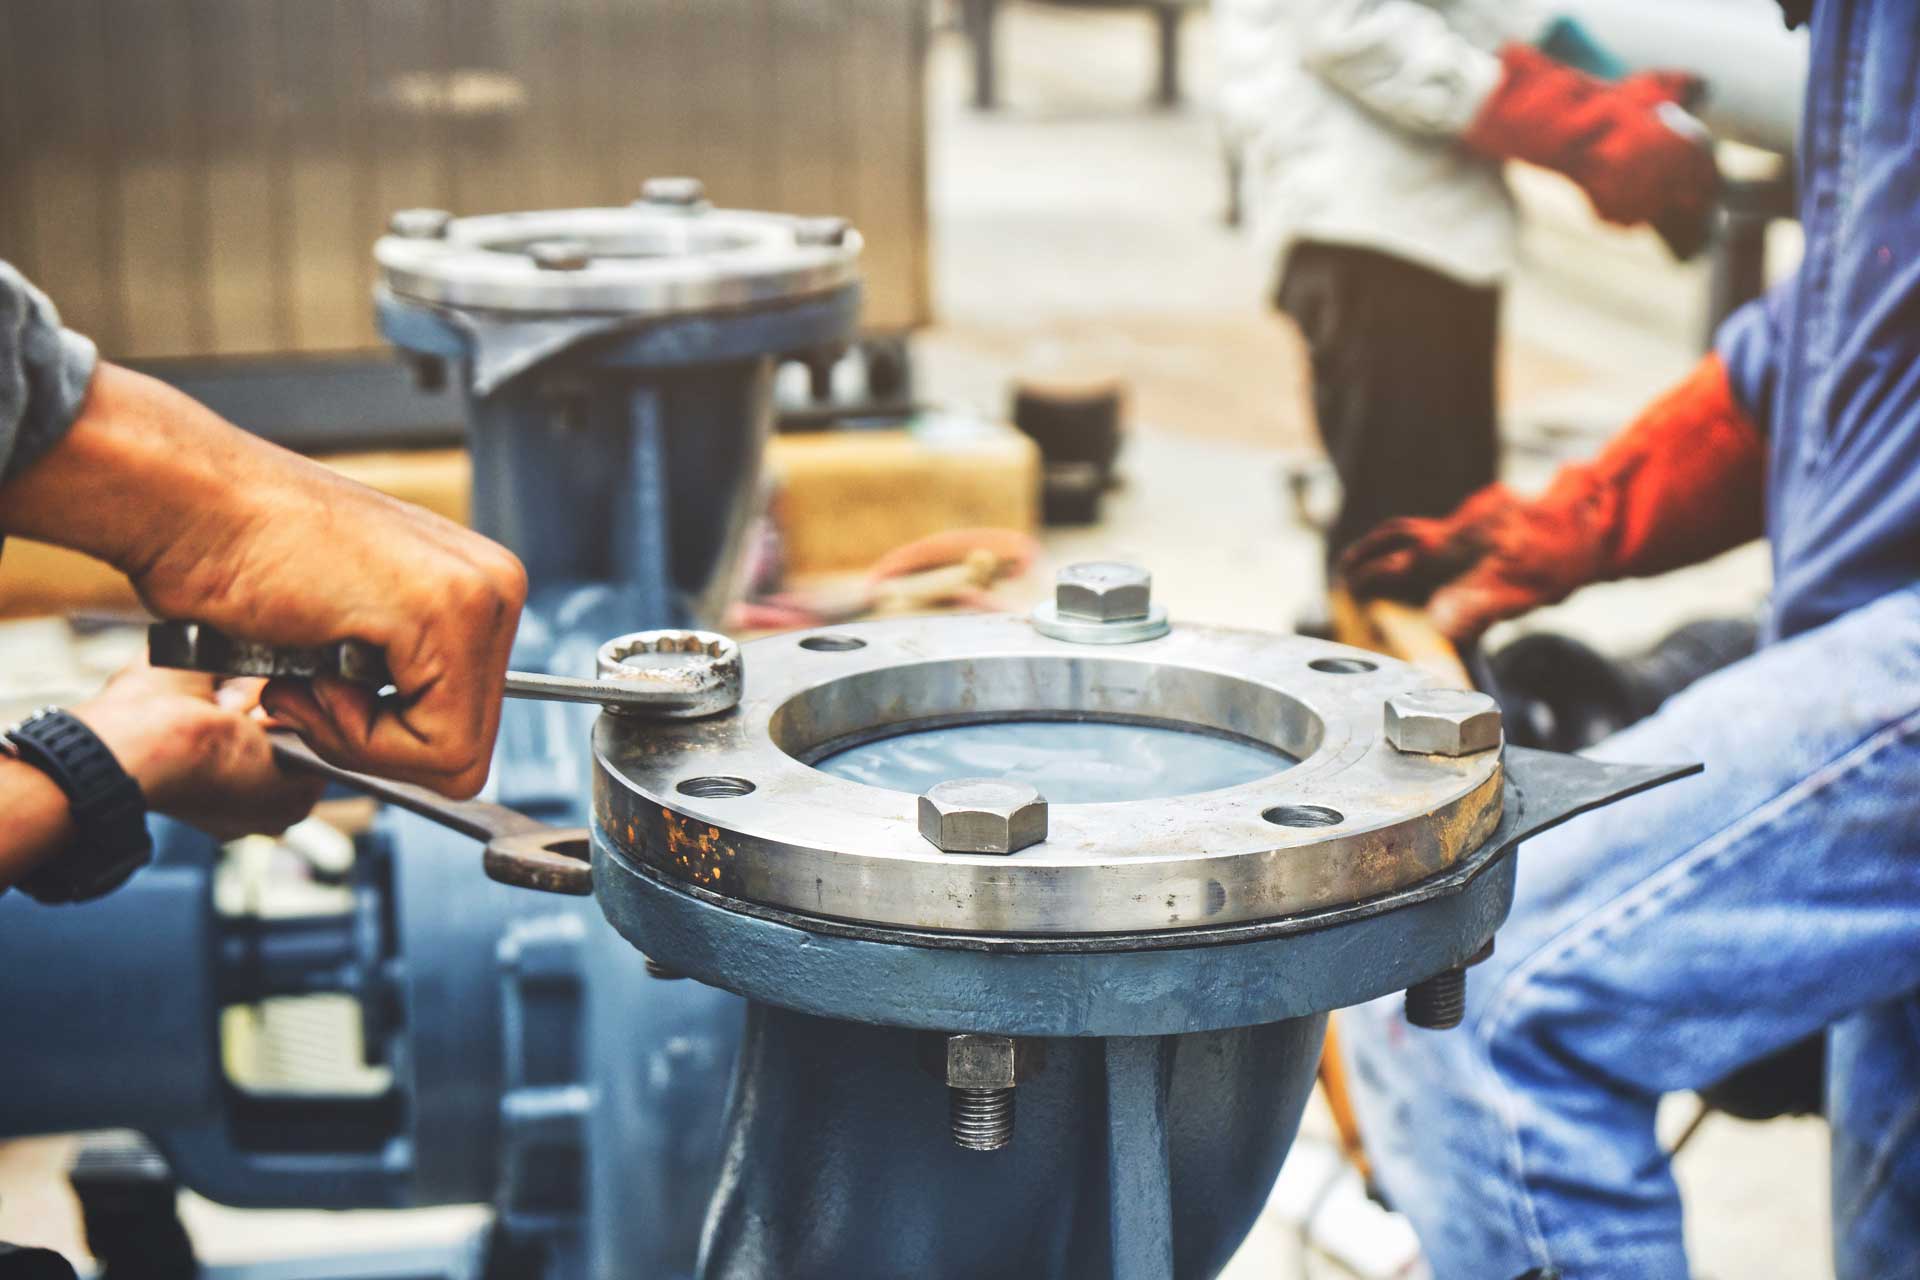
1103 591
1442 722
983 815
981 1062
561 255
420 224
674 192
821 232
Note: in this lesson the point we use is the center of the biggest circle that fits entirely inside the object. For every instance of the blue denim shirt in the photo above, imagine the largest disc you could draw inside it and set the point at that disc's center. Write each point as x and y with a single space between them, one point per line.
1829 362
44 372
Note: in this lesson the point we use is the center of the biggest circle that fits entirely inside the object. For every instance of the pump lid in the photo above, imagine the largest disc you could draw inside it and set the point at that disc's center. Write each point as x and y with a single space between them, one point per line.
648 259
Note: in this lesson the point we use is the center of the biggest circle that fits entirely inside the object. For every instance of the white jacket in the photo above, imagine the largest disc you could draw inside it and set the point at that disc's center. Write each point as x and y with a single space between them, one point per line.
1345 116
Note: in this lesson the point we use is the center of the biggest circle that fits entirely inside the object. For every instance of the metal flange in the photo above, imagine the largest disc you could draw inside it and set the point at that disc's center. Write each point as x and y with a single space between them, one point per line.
1163 983
646 259
734 805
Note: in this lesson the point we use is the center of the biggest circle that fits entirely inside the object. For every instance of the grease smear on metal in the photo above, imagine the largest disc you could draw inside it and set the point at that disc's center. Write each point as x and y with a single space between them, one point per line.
1069 762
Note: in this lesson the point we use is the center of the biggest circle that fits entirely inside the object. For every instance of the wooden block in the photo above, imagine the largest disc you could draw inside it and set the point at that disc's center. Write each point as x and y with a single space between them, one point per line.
441 480
844 498
1398 630
37 580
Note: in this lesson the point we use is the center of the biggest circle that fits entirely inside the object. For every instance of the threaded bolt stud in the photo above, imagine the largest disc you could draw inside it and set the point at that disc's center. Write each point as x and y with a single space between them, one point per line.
982 1119
657 970
1440 1002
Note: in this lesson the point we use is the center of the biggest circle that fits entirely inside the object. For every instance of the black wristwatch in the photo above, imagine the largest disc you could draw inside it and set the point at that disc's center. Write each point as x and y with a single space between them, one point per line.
110 838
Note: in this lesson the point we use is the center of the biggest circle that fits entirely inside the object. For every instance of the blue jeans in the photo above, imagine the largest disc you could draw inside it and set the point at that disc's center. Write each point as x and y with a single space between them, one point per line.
1660 943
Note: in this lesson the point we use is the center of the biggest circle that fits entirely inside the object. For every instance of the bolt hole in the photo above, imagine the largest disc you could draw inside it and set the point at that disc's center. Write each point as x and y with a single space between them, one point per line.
1303 815
715 788
833 643
1344 666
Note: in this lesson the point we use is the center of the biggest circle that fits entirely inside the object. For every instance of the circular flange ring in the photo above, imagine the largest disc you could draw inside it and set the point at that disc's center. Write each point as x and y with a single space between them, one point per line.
640 260
732 804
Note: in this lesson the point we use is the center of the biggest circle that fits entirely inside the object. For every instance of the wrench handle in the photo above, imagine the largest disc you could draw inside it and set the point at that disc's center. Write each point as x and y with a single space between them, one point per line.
520 850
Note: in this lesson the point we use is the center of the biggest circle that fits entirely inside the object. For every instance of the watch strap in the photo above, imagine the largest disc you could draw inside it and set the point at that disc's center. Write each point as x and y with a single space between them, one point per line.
110 837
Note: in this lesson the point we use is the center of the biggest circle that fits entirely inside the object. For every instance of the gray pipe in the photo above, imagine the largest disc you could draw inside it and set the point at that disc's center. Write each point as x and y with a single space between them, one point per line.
1755 69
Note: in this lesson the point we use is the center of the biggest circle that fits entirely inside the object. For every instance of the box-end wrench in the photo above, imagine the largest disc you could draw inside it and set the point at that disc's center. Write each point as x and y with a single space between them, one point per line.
675 675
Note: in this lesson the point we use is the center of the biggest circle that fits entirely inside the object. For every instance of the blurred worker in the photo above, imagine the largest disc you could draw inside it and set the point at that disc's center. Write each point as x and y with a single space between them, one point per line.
216 525
1370 136
1713 921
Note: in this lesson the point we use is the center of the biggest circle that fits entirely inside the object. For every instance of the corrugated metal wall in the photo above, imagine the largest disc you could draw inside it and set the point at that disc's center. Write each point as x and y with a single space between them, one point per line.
206 177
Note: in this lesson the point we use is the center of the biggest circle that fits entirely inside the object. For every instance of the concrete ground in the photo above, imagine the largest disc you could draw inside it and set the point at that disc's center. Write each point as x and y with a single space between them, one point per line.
1078 230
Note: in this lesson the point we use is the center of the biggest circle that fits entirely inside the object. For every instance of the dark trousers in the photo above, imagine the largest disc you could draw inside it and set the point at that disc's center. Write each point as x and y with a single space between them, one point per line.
1402 381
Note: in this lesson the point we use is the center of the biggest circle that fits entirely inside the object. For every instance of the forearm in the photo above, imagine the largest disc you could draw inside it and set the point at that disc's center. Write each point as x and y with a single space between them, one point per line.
142 470
37 820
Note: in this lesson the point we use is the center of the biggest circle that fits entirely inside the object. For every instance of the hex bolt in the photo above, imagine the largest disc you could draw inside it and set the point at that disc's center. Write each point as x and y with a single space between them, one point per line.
821 231
1442 722
1440 1002
561 255
981 1072
983 815
1103 591
676 192
420 224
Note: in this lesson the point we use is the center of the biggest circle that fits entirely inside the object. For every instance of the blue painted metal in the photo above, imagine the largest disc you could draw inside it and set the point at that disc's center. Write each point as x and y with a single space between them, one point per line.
535 1065
113 999
1063 992
1139 1166
838 1161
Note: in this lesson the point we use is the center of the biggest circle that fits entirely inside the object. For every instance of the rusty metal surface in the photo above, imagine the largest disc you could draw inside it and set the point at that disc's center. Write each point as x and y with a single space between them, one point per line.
192 178
733 804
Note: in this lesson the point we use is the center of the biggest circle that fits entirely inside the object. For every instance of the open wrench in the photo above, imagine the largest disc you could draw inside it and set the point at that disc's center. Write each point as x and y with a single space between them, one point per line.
521 851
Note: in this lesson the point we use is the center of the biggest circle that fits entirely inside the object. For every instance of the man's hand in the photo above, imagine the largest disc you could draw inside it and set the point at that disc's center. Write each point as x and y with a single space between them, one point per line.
198 752
1681 484
215 525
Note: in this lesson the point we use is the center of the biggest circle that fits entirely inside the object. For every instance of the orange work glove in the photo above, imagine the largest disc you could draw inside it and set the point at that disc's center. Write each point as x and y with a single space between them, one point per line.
1624 143
1683 483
